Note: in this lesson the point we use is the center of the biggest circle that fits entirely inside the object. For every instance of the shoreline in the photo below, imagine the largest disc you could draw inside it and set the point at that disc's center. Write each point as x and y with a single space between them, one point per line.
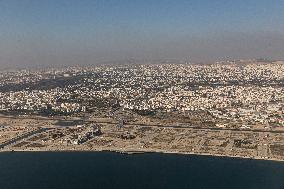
137 152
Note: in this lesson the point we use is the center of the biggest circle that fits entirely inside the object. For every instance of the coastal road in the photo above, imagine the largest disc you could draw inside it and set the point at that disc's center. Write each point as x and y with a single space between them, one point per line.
196 127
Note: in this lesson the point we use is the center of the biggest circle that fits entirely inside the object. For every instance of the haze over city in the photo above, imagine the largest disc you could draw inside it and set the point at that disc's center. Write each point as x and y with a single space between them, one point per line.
70 32
141 94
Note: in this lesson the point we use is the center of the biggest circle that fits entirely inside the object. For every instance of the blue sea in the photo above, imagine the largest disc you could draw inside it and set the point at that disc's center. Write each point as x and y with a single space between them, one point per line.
106 170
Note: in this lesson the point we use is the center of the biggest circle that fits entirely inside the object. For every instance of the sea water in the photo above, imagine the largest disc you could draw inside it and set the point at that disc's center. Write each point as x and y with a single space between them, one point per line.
95 170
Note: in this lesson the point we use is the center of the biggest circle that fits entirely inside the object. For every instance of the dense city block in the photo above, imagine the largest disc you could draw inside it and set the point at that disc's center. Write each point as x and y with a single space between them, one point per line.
232 108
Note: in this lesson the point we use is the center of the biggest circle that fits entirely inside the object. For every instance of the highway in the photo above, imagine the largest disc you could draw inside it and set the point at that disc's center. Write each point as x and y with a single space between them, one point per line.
21 137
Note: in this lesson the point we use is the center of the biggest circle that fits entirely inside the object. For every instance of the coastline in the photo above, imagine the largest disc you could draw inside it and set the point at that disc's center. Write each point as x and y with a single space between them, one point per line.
137 152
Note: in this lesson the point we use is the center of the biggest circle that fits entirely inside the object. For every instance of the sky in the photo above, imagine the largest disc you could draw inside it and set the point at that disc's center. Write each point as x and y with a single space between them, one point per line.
73 32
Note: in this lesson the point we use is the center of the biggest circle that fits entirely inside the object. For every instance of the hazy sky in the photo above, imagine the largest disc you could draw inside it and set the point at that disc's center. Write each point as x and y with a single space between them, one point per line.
67 32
